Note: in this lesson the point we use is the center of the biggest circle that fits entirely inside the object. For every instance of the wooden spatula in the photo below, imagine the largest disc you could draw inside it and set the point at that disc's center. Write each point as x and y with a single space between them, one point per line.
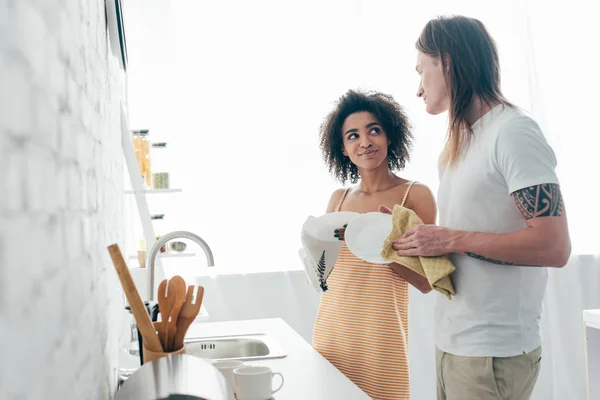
167 295
135 301
180 289
188 313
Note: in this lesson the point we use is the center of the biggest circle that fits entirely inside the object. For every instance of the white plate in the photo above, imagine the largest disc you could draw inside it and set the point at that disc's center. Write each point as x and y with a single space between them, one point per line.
321 248
310 269
319 258
365 236
324 226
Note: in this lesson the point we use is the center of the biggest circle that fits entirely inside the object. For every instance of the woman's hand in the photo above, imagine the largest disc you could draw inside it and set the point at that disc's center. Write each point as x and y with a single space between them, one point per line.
385 210
339 233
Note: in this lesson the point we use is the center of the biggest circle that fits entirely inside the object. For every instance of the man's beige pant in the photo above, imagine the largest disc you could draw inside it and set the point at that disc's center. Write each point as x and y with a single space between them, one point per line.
486 378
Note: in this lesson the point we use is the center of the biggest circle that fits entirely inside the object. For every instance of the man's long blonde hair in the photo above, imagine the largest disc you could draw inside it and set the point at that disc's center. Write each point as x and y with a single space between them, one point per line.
470 59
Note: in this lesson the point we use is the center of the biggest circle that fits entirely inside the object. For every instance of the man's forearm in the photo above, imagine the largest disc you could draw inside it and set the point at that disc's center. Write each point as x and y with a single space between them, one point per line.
524 247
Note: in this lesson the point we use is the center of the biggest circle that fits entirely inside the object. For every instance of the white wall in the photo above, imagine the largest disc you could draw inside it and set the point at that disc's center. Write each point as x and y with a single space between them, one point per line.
61 201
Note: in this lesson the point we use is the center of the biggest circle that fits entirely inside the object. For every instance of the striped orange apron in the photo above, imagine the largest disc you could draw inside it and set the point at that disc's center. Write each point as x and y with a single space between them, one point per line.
362 326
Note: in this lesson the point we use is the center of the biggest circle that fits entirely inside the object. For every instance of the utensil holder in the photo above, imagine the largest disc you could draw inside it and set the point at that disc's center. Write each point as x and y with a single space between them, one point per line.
152 308
150 355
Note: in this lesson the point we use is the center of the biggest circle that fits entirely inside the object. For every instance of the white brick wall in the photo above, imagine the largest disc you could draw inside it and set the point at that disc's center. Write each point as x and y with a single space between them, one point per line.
61 201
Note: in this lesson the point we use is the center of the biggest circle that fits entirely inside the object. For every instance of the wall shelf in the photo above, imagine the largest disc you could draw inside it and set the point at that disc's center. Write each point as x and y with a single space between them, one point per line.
155 191
168 255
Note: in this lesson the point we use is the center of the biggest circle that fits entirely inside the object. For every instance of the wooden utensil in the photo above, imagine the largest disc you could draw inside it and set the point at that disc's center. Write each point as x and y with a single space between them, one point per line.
150 355
188 313
167 295
180 287
135 301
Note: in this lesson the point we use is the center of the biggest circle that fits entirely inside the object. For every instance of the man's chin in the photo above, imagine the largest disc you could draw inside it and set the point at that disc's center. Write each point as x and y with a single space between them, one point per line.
434 110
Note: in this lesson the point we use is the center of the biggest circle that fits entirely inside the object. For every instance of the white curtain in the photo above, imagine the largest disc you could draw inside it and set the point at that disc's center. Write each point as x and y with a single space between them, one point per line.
239 89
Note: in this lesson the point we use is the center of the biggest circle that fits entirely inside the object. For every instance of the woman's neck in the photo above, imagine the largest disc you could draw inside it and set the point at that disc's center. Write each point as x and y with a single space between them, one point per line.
377 180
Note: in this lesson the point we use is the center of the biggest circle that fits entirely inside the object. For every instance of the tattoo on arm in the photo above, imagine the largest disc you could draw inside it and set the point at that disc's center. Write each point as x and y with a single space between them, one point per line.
539 201
497 262
491 260
535 201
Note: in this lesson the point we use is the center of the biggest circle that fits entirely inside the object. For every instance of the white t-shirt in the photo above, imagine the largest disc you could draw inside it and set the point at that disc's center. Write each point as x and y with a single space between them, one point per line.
497 308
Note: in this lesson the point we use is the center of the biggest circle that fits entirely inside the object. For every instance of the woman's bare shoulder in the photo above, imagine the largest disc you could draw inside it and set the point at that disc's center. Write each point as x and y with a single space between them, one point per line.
420 190
421 200
335 198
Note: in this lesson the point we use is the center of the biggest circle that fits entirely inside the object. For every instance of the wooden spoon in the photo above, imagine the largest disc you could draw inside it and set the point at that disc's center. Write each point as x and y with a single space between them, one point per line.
167 295
135 301
180 288
188 313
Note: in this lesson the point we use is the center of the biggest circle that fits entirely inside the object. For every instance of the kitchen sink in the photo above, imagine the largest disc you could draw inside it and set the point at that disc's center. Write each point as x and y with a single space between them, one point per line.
259 346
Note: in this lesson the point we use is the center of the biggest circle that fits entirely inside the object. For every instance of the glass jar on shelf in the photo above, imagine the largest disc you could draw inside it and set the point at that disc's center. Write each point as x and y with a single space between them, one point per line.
141 148
160 177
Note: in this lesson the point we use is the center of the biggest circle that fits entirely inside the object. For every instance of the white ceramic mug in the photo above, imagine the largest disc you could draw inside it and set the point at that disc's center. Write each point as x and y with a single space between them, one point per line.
254 382
226 367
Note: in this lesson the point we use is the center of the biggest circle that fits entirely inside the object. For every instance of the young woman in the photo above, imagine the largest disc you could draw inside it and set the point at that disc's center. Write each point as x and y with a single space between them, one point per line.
362 323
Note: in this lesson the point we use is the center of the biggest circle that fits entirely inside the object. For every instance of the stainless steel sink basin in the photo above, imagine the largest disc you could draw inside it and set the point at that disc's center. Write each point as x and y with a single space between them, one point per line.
259 346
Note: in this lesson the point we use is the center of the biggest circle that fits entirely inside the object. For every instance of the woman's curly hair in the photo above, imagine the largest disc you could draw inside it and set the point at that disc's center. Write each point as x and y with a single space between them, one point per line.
389 114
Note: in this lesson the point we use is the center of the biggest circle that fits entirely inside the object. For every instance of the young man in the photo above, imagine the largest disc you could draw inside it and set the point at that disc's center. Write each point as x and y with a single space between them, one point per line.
502 219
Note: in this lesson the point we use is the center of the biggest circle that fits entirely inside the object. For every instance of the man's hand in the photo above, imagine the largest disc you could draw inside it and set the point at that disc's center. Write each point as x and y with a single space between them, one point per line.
426 240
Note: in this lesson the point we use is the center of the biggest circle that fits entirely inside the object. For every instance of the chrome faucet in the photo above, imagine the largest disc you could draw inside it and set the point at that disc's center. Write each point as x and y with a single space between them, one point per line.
164 239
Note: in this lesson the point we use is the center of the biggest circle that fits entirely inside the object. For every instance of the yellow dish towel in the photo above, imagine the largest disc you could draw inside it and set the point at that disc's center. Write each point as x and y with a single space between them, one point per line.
437 270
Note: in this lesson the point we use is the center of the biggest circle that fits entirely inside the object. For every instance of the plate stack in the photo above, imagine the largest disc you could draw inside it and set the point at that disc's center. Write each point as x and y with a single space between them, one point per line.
321 248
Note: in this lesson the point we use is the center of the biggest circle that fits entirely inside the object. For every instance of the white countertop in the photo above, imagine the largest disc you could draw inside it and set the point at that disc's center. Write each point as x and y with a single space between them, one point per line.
307 374
592 318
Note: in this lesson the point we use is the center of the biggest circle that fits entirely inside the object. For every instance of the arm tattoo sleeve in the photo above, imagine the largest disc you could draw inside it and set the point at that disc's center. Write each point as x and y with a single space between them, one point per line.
539 201
533 202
